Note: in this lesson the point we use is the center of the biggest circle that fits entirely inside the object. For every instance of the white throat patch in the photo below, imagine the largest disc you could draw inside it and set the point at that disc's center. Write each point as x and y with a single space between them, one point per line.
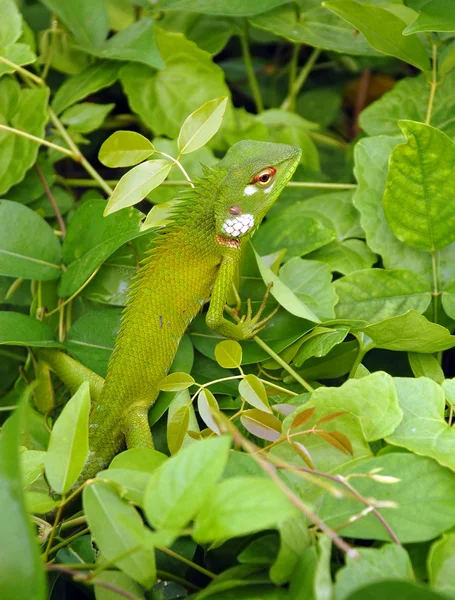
238 225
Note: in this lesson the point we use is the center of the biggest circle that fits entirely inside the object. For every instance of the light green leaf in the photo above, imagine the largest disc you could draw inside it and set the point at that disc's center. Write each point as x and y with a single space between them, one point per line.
418 199
21 570
133 482
316 27
240 506
261 424
18 329
86 116
39 503
377 294
383 30
32 465
319 344
201 125
125 149
228 354
207 405
179 489
281 292
138 459
448 299
28 245
311 282
375 564
120 581
424 429
425 488
68 444
177 428
119 529
163 99
252 390
95 77
91 238
176 382
24 109
426 365
137 183
345 257
86 19
396 589
410 332
373 399
11 23
441 565
19 54
294 539
433 15
409 100
232 8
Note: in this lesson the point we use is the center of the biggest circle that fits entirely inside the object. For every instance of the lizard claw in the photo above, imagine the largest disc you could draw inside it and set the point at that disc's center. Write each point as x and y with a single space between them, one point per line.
252 325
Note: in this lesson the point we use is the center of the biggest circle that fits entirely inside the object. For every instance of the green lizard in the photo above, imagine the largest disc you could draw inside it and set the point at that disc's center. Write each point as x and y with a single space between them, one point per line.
195 259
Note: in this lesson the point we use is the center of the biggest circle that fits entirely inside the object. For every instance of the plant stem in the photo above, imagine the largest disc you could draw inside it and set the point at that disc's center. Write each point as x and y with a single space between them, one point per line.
433 84
53 203
292 75
327 140
53 530
186 561
22 71
79 156
435 269
176 161
69 540
76 293
250 71
40 141
306 70
322 186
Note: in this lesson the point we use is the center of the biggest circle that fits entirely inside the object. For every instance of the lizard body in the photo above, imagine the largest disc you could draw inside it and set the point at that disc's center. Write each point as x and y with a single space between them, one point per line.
194 259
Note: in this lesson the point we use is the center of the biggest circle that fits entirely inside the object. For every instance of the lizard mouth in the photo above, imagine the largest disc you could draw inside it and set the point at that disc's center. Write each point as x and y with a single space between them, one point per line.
239 225
226 241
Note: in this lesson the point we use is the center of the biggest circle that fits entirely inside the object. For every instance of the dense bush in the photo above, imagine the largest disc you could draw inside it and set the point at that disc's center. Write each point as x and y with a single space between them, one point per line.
313 462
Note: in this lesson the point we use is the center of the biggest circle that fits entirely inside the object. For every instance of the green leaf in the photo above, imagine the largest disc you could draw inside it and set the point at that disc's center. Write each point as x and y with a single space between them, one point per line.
252 390
119 530
319 344
17 329
135 43
418 199
410 332
232 8
137 183
120 581
426 365
21 570
424 429
201 125
26 110
91 338
179 489
375 564
285 231
125 149
261 424
133 483
38 503
436 15
207 405
403 590
294 539
11 23
371 169
316 27
177 428
441 562
373 399
68 444
91 239
240 506
383 30
228 354
409 100
19 54
29 247
281 292
138 459
448 299
345 257
32 465
86 116
311 282
425 488
378 294
95 77
86 19
163 99
175 382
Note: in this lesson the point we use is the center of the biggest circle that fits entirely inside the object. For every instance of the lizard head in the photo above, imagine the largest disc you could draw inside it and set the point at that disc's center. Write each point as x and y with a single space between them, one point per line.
254 174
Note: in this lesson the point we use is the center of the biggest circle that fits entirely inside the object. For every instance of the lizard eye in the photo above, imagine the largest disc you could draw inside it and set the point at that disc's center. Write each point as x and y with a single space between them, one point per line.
264 177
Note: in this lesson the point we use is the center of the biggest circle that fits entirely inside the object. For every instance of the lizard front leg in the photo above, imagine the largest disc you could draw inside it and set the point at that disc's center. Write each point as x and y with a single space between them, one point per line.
249 325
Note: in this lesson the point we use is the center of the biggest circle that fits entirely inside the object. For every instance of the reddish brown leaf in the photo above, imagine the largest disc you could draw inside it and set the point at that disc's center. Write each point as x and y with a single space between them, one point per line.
303 453
331 417
337 440
302 417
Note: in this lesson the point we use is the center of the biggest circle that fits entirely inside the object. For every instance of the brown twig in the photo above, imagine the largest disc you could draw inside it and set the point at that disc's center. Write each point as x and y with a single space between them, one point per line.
360 100
53 203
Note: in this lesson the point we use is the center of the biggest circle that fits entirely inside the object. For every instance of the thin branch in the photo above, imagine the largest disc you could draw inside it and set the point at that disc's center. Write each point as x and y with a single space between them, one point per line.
53 203
306 70
250 71
186 561
22 71
40 141
433 84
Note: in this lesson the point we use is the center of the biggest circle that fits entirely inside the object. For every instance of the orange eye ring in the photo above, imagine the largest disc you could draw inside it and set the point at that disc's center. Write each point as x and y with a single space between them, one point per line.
264 177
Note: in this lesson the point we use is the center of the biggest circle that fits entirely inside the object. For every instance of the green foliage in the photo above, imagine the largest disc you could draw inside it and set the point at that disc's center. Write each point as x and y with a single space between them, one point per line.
286 466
